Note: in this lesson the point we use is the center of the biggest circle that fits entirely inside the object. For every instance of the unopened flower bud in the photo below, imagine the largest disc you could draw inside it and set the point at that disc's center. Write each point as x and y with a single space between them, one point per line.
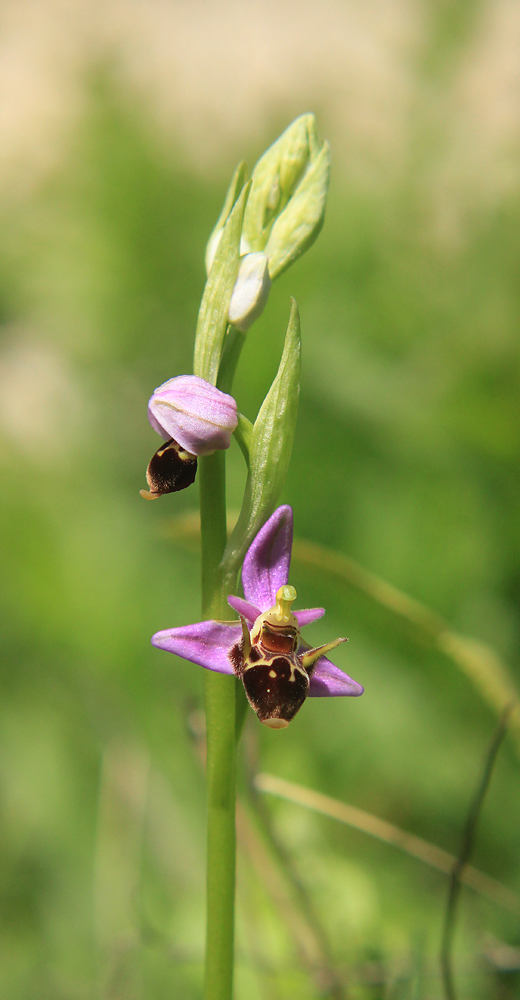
297 226
197 415
296 153
251 291
286 207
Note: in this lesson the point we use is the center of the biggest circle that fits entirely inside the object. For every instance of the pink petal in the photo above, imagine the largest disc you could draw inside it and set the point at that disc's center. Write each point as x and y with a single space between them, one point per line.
194 413
266 565
206 643
249 612
308 615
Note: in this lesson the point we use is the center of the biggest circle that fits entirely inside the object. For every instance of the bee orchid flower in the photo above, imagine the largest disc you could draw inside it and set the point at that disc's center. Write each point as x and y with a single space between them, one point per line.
264 648
195 418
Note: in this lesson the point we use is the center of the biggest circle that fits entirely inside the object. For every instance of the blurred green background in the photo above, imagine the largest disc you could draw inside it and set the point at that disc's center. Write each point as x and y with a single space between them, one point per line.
406 457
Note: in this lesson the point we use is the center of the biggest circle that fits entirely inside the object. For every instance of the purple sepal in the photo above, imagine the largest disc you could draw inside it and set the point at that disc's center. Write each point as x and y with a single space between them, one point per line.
207 643
328 681
266 565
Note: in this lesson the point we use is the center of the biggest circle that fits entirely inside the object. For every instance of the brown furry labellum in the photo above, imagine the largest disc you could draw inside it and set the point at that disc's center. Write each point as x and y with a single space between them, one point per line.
171 469
276 677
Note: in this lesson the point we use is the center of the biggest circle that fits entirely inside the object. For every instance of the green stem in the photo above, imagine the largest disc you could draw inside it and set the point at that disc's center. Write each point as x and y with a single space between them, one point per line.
220 728
213 531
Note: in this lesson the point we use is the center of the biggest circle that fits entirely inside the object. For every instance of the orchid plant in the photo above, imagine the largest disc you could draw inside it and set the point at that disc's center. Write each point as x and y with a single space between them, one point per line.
266 223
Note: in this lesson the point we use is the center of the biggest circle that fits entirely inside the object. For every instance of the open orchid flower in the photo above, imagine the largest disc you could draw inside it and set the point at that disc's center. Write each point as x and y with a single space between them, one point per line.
277 668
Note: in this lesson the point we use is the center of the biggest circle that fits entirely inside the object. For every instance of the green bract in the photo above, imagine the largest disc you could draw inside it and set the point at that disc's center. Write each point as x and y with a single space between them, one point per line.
270 448
243 433
213 314
237 183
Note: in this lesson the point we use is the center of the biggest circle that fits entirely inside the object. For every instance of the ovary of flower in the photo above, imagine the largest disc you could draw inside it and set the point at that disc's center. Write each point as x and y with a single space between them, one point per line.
251 290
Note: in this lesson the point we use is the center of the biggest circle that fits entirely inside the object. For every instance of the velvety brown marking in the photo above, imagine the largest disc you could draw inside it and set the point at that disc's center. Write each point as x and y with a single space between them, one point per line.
236 656
276 697
171 469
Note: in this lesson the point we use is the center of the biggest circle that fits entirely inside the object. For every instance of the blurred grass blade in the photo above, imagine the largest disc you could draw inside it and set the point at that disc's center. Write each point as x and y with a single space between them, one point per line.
460 864
312 948
213 314
418 848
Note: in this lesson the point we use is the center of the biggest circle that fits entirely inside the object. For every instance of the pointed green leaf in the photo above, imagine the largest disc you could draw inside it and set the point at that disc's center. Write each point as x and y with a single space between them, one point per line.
270 448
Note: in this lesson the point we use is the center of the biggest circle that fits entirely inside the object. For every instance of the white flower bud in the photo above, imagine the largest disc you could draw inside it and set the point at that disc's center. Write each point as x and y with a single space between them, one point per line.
251 291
